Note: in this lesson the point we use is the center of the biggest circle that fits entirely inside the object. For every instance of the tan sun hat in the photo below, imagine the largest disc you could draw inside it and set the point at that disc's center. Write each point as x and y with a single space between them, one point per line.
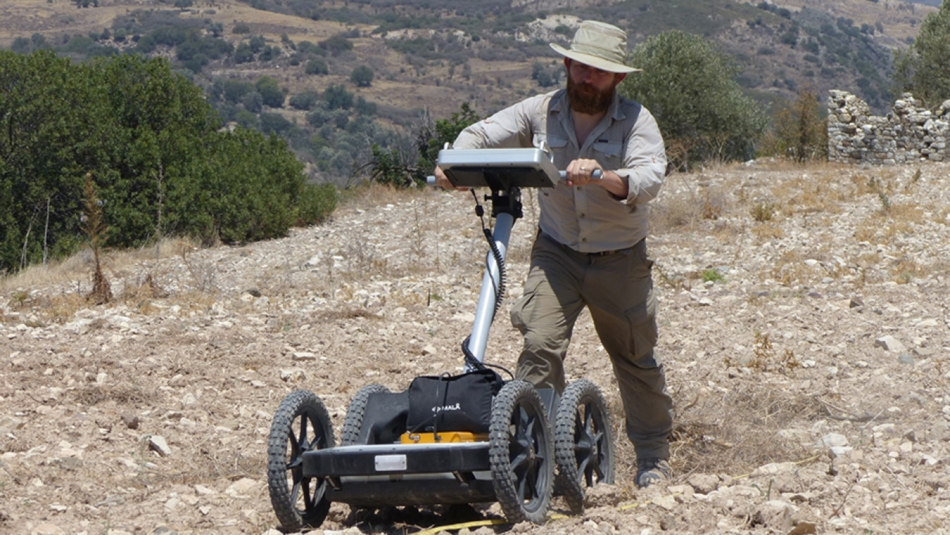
599 45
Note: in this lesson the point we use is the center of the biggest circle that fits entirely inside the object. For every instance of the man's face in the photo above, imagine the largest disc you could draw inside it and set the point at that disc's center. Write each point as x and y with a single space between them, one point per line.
589 89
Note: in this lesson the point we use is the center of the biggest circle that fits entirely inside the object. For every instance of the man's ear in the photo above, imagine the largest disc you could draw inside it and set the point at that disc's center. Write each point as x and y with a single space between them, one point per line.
567 63
619 78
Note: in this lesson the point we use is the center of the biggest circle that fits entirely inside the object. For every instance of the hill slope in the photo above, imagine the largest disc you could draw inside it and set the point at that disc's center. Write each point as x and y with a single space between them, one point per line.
500 41
273 65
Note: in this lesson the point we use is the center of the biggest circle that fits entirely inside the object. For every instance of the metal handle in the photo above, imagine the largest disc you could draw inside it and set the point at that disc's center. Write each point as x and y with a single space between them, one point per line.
598 174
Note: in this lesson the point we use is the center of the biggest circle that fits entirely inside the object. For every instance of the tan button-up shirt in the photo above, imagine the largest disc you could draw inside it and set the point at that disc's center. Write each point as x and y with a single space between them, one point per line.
627 141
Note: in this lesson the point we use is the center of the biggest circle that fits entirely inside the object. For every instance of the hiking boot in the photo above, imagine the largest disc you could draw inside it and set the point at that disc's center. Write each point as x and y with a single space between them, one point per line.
650 471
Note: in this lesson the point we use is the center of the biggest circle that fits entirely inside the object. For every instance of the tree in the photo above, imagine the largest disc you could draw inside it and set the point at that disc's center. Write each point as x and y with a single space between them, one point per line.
243 54
337 97
273 96
253 102
801 130
336 44
398 168
924 69
317 66
362 76
688 85
305 100
162 166
363 107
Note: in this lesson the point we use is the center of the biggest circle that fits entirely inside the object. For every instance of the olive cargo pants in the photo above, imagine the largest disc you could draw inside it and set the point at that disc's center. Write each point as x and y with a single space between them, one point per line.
617 288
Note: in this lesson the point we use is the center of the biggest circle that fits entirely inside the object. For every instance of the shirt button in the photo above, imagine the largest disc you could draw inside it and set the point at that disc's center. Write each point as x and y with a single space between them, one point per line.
584 239
578 188
582 215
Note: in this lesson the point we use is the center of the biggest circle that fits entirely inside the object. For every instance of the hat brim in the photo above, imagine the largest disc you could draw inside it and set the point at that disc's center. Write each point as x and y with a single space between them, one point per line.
594 61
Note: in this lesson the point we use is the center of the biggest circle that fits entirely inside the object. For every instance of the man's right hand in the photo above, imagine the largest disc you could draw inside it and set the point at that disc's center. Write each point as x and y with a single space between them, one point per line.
443 181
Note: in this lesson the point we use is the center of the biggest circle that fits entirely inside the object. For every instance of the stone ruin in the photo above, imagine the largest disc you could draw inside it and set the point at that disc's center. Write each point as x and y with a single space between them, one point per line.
909 133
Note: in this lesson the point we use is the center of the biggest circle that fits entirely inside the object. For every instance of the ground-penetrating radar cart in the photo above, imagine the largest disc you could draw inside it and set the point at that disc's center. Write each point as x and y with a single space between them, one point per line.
467 438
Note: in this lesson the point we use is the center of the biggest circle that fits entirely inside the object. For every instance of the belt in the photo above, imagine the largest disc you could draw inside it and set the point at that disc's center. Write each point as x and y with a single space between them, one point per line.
605 253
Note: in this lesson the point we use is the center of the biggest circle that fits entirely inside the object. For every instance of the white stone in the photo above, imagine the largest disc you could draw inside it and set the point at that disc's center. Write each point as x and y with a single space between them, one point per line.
890 343
158 444
833 440
242 488
293 375
772 469
47 529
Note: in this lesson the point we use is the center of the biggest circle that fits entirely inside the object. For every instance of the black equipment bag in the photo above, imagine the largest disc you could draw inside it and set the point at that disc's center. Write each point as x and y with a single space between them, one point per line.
453 402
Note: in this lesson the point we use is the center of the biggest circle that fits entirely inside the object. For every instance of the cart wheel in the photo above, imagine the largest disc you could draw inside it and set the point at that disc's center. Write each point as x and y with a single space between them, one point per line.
583 442
521 453
301 424
353 423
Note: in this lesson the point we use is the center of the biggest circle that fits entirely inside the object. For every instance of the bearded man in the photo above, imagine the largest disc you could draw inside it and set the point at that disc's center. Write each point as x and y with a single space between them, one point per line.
590 249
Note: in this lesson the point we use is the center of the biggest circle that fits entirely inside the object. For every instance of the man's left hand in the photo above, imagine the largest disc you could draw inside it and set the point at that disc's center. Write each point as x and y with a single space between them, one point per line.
580 172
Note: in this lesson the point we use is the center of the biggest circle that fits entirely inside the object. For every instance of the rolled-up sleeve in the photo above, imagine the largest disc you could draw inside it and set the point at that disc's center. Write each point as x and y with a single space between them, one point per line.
509 128
644 160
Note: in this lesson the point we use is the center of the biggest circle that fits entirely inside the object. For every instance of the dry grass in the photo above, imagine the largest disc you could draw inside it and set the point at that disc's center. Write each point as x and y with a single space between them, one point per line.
733 431
889 222
346 313
124 394
906 269
674 212
763 211
71 278
767 231
68 271
810 193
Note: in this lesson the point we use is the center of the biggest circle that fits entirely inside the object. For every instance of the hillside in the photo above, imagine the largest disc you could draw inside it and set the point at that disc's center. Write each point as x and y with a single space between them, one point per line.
804 325
426 58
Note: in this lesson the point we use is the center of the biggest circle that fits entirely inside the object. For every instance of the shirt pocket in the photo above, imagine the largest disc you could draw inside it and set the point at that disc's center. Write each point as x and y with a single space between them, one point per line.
610 149
554 142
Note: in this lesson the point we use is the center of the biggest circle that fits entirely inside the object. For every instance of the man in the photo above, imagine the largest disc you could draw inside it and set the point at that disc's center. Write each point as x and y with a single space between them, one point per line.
590 249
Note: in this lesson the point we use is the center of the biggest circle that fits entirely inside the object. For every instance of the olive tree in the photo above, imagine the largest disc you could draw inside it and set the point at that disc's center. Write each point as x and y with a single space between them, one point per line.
923 69
688 85
362 76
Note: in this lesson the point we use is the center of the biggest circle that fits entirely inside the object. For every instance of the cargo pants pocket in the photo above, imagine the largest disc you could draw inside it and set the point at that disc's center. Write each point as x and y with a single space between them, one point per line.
641 320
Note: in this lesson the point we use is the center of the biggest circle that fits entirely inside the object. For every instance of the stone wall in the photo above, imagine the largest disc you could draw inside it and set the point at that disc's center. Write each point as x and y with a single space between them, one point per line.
909 133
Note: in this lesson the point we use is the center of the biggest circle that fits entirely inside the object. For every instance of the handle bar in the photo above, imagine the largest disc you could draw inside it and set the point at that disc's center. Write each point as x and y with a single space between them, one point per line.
596 175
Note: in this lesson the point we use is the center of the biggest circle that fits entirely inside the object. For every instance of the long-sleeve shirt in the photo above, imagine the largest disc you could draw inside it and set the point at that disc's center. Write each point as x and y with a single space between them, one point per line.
627 141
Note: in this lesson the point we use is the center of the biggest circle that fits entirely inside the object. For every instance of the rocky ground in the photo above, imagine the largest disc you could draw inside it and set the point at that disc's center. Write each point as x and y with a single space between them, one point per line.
804 325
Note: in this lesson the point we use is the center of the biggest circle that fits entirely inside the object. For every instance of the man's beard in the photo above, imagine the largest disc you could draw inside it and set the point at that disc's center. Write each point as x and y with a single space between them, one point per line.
586 99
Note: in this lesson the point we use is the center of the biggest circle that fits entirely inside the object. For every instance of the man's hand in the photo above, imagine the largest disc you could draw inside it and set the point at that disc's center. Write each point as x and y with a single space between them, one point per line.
580 173
443 181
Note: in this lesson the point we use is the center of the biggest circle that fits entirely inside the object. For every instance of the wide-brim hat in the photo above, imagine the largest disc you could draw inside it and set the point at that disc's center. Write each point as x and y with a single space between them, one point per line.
599 45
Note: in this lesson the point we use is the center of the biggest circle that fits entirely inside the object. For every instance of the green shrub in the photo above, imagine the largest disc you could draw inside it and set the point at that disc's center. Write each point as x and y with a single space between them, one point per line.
317 66
362 76
712 274
304 100
316 203
273 96
152 143
337 97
